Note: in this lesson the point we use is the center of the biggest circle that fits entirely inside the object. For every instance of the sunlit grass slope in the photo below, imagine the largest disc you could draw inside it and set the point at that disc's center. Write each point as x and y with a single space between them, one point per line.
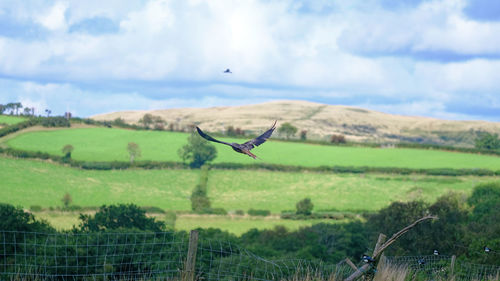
103 144
10 120
29 182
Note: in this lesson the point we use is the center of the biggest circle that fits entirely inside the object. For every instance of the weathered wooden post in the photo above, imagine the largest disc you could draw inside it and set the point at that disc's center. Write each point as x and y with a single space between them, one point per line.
452 265
189 266
351 264
382 246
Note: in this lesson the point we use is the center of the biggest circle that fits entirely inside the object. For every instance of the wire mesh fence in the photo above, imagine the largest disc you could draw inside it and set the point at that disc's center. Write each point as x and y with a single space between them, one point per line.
149 256
446 268
92 256
138 256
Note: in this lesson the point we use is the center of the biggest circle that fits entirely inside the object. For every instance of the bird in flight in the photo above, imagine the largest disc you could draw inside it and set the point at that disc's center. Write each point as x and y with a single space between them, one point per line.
227 71
244 147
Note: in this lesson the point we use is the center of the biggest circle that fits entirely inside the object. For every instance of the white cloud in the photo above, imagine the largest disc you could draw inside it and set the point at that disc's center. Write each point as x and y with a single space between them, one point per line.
333 51
54 18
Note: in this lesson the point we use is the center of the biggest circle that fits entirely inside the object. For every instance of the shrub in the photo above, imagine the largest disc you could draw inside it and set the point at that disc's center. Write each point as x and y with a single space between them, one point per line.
304 207
58 121
153 210
200 203
120 217
239 212
35 208
337 139
256 212
218 211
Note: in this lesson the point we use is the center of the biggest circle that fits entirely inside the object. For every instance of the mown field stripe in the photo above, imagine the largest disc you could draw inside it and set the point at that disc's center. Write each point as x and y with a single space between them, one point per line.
105 144
31 182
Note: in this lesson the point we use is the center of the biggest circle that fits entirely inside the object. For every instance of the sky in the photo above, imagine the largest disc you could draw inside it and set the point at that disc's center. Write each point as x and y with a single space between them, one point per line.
410 57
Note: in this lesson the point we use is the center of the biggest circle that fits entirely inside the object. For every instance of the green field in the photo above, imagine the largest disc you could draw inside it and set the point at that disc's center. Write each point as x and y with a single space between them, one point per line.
103 144
236 225
10 120
32 182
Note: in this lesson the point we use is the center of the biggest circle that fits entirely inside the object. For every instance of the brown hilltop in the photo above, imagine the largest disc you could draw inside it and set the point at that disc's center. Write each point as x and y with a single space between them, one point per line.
320 121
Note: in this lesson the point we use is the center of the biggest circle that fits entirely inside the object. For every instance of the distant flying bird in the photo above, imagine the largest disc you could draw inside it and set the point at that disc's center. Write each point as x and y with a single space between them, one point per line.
244 147
486 249
227 71
436 253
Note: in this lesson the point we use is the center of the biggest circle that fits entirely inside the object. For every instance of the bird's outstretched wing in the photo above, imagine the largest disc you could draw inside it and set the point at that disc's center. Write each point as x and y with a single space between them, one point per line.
207 137
260 139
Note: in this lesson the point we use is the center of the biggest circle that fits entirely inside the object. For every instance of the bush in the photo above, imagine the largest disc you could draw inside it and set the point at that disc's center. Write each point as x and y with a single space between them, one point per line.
153 210
304 207
15 219
58 121
337 139
239 212
120 216
200 203
256 212
35 208
218 211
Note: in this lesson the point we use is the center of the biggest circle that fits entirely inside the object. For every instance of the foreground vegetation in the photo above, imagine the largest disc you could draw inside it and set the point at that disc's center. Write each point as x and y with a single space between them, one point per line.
105 144
465 226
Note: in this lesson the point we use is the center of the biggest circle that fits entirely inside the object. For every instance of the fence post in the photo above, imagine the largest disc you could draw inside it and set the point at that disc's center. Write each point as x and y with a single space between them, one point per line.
452 265
191 256
351 264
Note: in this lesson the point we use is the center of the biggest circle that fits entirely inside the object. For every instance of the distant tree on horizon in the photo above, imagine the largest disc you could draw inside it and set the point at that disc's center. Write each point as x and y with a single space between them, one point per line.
287 129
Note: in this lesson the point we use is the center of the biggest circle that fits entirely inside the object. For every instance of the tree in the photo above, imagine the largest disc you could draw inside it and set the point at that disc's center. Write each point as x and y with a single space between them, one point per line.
2 108
48 111
134 151
197 151
146 120
303 135
16 106
27 111
119 121
488 141
66 199
120 216
230 131
304 207
67 150
10 106
287 129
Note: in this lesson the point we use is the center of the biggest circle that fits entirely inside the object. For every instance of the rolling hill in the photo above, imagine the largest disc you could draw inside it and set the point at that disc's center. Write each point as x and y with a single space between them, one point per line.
320 121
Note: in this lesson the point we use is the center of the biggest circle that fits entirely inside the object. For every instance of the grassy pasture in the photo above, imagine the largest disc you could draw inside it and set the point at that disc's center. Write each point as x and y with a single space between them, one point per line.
104 144
10 120
31 182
